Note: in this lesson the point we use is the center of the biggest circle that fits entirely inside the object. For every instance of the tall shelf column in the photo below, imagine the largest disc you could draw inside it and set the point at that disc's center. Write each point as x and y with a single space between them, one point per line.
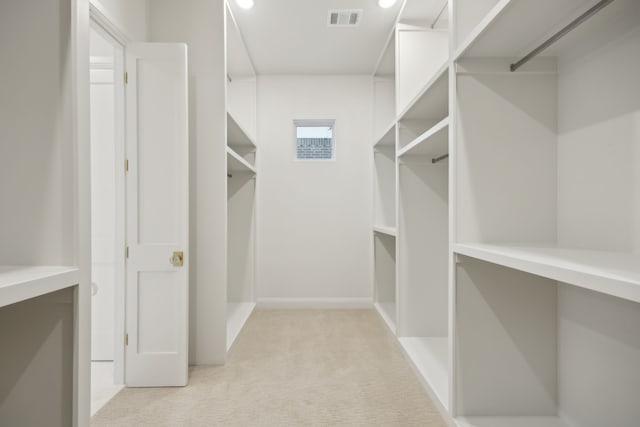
44 220
241 181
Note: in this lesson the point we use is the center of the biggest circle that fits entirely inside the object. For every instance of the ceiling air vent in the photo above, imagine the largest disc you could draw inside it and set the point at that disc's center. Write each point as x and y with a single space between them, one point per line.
345 18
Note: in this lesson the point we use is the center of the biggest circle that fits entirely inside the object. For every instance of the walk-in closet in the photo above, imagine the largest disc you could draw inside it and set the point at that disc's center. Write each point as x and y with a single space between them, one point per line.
320 212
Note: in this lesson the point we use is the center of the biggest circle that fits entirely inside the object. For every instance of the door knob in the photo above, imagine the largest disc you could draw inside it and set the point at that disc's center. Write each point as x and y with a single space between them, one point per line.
176 259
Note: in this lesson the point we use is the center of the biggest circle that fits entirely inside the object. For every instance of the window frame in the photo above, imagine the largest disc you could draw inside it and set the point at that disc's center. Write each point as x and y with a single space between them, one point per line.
314 123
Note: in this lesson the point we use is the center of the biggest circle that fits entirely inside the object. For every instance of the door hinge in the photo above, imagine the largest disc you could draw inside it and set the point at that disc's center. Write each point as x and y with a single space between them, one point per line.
126 251
126 165
126 339
126 78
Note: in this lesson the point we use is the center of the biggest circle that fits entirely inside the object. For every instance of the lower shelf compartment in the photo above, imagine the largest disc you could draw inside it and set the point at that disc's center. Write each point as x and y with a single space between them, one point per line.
510 422
387 311
237 315
430 356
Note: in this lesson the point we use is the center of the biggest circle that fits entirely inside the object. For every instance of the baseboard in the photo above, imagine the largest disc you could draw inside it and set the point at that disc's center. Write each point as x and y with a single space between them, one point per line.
315 303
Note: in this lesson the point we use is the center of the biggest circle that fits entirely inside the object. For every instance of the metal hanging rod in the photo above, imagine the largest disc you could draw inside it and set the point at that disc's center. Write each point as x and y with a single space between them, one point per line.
439 159
229 175
229 78
435 21
557 36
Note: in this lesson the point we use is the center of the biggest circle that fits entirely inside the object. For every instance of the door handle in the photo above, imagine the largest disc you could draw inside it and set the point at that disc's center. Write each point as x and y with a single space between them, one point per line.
176 259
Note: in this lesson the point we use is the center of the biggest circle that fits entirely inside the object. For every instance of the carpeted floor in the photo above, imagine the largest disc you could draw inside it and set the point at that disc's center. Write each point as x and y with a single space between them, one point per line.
291 368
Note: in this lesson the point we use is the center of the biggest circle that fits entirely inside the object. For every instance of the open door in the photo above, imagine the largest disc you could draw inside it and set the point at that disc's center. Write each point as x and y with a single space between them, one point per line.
157 215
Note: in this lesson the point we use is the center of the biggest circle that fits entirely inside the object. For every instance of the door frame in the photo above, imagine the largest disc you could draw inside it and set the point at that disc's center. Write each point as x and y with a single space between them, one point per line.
100 23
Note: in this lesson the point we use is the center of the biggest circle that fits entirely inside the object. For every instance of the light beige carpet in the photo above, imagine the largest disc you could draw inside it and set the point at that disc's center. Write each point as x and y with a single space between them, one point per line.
291 368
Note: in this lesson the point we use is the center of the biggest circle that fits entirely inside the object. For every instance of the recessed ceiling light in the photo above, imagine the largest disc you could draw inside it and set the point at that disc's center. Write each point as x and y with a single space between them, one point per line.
247 4
385 4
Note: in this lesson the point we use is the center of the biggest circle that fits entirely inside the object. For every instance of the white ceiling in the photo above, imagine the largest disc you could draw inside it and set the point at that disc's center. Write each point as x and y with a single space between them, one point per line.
292 36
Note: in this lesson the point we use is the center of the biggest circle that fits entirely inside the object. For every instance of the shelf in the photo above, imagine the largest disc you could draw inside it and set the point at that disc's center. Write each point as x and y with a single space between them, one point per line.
388 139
236 135
510 422
237 315
430 358
382 229
235 163
434 142
611 273
387 310
432 101
495 35
19 283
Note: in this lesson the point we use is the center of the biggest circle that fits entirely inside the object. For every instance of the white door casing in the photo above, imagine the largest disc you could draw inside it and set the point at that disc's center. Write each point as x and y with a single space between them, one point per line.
103 211
157 215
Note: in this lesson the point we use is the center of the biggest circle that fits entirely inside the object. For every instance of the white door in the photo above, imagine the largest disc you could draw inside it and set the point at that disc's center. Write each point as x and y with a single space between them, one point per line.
157 215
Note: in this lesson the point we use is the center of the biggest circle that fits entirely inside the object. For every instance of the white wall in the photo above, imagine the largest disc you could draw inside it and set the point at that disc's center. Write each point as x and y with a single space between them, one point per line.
314 218
129 16
200 24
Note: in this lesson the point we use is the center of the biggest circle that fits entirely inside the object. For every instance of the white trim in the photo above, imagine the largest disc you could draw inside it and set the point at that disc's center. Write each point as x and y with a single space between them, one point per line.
118 40
98 16
315 303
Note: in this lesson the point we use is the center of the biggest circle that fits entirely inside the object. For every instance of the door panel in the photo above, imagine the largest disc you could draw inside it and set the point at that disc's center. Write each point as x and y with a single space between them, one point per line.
157 215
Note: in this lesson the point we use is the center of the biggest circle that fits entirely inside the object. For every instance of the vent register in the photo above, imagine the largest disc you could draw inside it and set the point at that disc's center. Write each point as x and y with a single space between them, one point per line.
344 17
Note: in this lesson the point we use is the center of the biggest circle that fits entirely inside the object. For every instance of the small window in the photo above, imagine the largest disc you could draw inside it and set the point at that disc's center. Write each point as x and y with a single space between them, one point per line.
314 140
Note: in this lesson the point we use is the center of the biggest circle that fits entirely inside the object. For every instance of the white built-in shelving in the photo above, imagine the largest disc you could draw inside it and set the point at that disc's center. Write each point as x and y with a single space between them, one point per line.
433 142
241 182
236 163
411 246
515 220
20 283
546 227
44 219
428 107
384 198
610 273
389 231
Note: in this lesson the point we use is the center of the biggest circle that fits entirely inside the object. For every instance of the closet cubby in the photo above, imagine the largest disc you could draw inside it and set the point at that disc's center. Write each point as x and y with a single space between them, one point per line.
416 72
423 259
384 163
429 108
547 217
384 92
551 170
240 251
385 277
241 181
551 353
44 272
37 152
240 143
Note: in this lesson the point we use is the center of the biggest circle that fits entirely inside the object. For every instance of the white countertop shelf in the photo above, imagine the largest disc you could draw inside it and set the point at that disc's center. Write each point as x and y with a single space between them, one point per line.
235 163
611 273
237 135
434 142
19 283
383 229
